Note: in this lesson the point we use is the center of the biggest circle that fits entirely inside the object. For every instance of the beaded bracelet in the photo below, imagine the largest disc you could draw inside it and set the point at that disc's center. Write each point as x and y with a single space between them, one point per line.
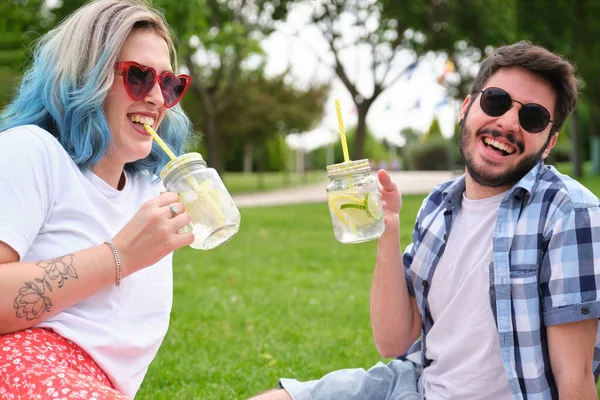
117 261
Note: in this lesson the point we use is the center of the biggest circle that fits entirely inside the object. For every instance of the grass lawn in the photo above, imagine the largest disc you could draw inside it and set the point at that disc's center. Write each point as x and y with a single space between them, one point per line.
282 299
592 182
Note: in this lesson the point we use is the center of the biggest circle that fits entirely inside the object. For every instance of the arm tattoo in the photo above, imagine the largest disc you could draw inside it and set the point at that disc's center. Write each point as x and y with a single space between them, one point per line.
32 302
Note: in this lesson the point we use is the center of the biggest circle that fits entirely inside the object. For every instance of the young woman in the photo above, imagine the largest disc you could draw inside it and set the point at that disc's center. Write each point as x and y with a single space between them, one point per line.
86 237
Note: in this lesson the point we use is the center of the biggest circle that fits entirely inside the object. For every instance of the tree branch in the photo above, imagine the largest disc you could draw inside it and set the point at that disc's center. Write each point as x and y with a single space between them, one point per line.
374 65
218 76
339 68
198 88
389 64
402 73
230 84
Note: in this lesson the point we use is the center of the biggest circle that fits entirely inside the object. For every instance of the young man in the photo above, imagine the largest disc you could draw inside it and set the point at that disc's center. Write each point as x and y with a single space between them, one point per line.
502 280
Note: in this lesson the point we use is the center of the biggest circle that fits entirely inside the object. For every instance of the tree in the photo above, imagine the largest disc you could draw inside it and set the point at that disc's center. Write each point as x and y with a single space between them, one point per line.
18 22
372 31
21 23
266 107
374 150
410 136
463 29
215 39
434 131
571 29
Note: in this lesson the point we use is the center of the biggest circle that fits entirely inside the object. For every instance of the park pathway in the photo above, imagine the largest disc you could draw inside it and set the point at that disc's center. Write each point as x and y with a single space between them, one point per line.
409 182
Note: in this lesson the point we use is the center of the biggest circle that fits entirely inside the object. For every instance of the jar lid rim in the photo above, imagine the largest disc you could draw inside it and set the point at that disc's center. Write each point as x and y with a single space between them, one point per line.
178 162
348 167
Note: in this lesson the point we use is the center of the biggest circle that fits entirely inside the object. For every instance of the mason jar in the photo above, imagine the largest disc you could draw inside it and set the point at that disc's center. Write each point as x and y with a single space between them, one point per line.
214 217
354 202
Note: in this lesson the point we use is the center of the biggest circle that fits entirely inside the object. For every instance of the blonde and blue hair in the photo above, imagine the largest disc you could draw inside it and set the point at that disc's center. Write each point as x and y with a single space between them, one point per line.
72 72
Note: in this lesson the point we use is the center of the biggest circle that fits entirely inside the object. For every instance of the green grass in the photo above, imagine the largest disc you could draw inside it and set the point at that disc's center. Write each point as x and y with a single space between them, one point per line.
592 182
238 182
282 299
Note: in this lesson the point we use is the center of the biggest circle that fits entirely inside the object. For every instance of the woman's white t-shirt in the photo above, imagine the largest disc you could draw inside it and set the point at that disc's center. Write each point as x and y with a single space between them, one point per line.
49 208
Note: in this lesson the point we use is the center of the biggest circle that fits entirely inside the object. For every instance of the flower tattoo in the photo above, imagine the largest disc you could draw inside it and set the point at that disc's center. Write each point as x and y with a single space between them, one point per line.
32 302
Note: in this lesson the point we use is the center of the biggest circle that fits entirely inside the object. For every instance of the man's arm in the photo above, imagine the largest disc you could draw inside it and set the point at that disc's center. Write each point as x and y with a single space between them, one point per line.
571 348
395 319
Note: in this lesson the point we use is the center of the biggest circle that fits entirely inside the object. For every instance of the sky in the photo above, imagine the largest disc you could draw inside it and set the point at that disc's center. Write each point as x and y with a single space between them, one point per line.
298 45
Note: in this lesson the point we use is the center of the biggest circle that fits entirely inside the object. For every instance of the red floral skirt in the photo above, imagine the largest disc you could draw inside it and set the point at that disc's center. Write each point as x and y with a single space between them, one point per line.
40 364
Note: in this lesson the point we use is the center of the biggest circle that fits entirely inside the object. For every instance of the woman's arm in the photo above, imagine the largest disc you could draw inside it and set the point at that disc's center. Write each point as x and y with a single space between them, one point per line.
31 292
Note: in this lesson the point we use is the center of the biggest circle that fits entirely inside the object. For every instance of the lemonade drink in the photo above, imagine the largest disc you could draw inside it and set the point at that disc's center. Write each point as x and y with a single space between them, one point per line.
354 202
214 217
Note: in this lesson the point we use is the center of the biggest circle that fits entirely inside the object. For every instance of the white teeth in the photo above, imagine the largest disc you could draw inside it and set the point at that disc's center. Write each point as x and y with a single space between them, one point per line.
499 145
142 119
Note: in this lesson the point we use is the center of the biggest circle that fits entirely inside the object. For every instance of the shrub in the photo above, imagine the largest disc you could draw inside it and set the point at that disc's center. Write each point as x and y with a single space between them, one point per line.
434 131
373 149
430 155
560 152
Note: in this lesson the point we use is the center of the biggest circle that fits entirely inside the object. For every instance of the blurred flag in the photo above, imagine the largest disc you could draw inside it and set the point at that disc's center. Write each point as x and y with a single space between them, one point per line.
410 70
388 107
449 68
415 106
442 102
352 111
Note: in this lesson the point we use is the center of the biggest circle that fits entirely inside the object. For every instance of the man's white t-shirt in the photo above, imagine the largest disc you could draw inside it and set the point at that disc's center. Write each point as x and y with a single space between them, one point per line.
463 343
49 208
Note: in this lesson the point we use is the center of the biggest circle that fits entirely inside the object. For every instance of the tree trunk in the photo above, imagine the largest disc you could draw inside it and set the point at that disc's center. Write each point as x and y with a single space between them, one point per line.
330 155
576 160
299 161
248 161
361 131
214 156
289 165
261 168
213 145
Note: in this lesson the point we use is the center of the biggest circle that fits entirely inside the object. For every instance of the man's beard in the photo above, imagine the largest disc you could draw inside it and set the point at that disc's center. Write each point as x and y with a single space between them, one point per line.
481 174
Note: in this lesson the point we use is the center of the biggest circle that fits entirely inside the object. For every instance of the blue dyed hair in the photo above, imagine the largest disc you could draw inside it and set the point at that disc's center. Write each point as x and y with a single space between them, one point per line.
66 86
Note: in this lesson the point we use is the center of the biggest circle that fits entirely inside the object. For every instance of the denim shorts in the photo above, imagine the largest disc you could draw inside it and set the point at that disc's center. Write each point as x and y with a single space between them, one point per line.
395 381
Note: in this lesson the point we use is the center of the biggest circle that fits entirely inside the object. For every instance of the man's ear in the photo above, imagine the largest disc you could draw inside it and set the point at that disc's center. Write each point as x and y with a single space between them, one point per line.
551 144
463 110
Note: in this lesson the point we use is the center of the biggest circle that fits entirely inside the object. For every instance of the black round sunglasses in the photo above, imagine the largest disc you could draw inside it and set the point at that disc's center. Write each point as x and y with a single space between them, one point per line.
533 117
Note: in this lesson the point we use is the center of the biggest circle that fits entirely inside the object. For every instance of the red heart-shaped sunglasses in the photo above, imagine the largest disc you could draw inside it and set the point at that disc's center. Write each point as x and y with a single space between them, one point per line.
139 81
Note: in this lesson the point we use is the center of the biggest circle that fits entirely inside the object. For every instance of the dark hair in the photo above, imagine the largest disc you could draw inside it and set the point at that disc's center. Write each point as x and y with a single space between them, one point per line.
557 71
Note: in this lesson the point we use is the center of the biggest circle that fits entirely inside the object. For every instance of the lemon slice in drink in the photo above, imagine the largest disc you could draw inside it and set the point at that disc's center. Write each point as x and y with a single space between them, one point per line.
372 207
337 200
355 210
357 214
202 203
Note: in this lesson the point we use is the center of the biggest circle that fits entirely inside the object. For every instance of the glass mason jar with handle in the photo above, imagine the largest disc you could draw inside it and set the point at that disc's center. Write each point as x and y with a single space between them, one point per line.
214 217
354 202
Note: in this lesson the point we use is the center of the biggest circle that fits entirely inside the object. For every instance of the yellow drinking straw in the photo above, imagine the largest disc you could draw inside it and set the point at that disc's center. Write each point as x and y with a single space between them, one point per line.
171 155
342 132
159 141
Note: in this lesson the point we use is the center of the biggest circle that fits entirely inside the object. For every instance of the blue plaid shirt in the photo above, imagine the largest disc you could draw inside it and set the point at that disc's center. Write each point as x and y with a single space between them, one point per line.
546 269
